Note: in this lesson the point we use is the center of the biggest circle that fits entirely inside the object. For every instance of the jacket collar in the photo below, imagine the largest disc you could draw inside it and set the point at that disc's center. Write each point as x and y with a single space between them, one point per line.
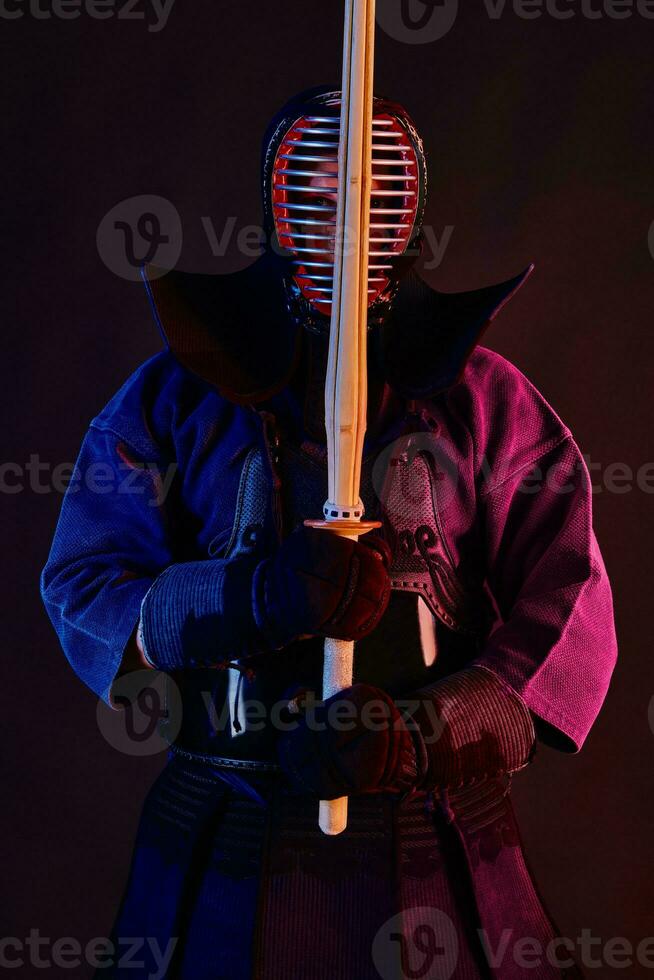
234 330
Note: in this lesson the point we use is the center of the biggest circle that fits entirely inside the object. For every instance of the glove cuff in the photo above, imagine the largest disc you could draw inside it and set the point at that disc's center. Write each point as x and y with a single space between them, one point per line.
472 725
199 614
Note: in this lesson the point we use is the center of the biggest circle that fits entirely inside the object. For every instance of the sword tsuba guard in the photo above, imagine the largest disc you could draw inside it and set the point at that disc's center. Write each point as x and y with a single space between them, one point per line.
343 520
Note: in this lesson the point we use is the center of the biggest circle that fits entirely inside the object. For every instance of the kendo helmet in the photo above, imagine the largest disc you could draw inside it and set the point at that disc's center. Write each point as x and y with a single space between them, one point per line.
299 176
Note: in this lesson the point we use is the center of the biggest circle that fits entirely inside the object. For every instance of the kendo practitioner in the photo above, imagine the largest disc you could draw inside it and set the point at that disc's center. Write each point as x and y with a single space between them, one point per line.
481 609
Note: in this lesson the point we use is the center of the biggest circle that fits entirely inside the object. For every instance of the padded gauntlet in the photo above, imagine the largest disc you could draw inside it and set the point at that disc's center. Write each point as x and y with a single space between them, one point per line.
360 741
208 612
472 725
354 743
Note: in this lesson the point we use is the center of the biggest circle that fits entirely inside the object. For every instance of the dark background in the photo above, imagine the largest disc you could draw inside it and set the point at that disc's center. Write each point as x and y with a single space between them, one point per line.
540 145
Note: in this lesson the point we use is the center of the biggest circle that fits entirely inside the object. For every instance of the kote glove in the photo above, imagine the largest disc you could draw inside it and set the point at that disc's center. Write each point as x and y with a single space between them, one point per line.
463 728
207 612
320 584
354 743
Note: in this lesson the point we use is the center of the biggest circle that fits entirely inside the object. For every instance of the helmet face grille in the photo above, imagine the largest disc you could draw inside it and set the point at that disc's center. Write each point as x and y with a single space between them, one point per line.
304 190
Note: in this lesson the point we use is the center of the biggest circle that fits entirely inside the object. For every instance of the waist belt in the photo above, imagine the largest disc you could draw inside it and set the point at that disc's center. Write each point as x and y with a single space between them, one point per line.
222 762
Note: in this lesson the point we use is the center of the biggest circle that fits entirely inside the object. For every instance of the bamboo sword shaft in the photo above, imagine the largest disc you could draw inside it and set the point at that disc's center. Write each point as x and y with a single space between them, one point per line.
346 380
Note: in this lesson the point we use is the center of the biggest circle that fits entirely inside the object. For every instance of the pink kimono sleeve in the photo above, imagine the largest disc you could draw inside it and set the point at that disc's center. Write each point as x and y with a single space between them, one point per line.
556 643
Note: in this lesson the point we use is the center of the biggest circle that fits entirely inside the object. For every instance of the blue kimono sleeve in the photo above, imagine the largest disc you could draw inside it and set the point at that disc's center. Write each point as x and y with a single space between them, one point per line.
112 540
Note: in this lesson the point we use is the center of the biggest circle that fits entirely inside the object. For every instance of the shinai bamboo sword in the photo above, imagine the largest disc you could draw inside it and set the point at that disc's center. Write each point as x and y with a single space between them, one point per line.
345 384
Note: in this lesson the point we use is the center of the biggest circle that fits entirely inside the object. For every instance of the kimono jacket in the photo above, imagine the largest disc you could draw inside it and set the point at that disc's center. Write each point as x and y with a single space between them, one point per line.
496 571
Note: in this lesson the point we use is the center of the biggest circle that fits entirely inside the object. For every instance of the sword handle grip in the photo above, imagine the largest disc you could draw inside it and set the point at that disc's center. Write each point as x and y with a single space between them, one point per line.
332 816
337 674
338 670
